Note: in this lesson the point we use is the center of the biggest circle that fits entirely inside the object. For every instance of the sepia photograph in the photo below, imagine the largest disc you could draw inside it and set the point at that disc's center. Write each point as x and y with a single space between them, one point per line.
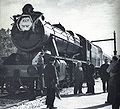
59 54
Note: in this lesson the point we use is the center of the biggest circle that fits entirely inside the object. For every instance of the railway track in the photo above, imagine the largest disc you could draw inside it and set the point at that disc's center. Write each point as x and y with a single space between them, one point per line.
8 101
20 101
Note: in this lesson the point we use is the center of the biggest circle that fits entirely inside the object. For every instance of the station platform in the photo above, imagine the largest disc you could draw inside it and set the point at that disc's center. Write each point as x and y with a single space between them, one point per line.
82 101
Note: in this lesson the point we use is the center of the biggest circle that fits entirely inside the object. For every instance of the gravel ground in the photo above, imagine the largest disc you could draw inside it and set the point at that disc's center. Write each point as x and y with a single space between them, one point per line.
30 104
39 103
18 104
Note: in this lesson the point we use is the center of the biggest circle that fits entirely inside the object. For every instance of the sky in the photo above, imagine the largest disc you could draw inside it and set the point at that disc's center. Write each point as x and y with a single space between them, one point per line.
93 19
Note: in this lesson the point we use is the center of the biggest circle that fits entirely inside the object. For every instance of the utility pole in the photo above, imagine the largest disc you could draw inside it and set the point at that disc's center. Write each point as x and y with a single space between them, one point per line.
112 39
115 52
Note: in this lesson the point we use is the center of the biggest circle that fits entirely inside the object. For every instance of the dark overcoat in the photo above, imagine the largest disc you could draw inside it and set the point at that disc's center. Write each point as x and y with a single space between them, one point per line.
50 75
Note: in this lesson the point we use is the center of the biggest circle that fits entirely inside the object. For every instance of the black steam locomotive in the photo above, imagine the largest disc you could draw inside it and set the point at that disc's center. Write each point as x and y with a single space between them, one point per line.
32 35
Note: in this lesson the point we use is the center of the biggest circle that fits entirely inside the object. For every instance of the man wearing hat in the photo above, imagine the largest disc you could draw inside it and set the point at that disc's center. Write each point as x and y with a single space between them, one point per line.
104 74
50 77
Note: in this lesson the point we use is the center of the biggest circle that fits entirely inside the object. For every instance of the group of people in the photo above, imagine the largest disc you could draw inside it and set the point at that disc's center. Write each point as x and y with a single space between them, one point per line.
84 73
51 78
110 75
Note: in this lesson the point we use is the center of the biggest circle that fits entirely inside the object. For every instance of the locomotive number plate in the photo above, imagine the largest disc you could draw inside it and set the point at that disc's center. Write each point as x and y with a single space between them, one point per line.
24 23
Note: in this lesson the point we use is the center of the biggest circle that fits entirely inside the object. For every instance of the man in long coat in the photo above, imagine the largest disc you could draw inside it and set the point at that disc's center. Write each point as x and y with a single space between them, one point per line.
78 78
89 78
104 75
50 77
116 90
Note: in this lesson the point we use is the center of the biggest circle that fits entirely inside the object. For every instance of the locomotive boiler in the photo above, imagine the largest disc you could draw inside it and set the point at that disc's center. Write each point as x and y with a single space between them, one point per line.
32 36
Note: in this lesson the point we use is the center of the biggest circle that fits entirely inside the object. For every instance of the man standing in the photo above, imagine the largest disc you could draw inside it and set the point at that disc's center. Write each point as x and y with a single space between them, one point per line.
40 67
50 77
90 78
116 93
78 77
114 74
104 75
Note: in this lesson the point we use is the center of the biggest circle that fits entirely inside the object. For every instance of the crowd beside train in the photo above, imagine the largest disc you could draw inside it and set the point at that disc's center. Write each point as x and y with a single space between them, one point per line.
109 74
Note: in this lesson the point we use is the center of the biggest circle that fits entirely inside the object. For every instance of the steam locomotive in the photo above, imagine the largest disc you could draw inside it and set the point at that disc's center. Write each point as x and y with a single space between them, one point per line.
32 36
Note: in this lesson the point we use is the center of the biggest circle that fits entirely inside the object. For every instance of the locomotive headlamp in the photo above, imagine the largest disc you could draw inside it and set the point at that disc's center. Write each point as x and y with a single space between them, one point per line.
24 23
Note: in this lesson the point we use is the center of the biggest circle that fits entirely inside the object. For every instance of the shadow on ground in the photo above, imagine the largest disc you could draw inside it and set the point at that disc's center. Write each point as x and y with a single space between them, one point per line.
94 107
78 95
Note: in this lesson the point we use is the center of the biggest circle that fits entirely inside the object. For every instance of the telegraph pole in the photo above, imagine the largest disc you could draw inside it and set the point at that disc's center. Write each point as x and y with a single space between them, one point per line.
115 52
112 39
